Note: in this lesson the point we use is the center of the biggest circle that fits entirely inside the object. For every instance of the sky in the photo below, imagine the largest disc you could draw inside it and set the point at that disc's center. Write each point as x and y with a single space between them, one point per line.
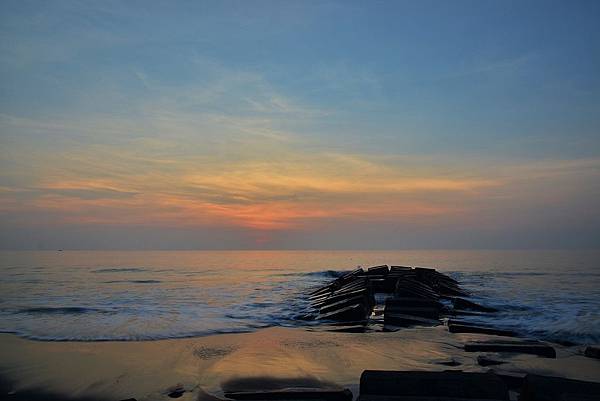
299 124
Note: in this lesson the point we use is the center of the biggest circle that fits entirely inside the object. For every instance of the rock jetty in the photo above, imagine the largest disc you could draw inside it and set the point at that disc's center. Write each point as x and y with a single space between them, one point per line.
403 295
412 296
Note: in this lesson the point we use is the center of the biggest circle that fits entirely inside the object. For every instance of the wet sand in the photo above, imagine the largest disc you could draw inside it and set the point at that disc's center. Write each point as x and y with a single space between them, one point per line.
204 366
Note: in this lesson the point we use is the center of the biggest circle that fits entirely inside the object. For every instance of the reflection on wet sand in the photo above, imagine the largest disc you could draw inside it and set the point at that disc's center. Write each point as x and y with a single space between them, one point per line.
150 370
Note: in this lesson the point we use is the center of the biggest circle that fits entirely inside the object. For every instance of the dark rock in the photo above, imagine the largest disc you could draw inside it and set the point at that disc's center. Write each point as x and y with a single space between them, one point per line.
130 399
422 311
337 283
389 285
400 302
378 285
514 380
449 362
349 300
524 347
352 313
350 297
400 269
354 284
578 397
483 360
402 319
403 273
592 352
390 329
341 296
460 328
451 289
341 292
425 272
293 394
348 288
361 298
435 278
273 388
176 393
397 309
431 385
406 287
382 270
548 388
461 303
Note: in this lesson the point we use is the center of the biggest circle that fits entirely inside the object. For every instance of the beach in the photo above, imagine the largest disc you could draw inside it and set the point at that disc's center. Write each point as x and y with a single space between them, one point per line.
194 325
204 366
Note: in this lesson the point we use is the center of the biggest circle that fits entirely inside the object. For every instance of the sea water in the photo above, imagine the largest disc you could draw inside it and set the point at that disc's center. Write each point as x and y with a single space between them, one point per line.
145 295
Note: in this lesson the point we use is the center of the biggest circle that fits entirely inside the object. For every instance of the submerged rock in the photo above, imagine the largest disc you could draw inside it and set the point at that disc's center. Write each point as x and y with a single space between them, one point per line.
484 360
175 391
461 303
592 352
448 362
522 347
463 328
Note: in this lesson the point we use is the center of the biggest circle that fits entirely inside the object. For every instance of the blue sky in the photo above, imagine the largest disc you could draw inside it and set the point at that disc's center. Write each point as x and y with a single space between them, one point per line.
299 124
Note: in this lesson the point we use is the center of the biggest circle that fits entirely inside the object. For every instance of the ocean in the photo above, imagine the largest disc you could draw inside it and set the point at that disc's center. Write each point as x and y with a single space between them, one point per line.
147 295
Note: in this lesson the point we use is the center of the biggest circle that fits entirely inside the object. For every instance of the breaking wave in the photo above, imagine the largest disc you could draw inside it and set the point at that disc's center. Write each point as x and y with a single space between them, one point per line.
115 303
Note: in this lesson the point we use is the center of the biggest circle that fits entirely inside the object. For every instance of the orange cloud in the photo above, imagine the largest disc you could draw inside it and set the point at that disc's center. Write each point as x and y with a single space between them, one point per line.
285 189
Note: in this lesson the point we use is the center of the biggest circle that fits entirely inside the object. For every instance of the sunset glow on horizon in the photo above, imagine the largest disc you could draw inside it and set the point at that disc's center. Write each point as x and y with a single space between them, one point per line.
195 127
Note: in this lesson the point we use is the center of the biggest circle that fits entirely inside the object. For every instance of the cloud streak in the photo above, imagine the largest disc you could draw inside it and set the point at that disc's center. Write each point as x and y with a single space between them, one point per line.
279 185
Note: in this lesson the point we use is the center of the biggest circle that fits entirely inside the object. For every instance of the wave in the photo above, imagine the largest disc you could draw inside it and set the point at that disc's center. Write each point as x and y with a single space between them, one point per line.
323 273
63 310
126 338
551 306
119 270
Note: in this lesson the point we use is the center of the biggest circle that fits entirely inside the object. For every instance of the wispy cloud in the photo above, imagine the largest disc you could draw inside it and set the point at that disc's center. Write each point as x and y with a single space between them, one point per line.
257 179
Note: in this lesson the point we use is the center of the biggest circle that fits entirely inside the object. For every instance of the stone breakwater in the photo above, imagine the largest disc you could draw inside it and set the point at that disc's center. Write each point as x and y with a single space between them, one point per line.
415 296
387 298
402 295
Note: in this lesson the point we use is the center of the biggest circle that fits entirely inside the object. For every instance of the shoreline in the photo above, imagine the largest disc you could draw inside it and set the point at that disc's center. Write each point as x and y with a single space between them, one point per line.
147 370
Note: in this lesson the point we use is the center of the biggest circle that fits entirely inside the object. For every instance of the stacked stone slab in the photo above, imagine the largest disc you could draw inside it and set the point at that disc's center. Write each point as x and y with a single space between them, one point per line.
412 296
417 292
348 298
415 295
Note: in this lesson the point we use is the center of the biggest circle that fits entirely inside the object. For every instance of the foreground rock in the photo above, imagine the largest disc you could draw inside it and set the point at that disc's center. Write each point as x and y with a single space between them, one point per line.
592 352
548 388
293 394
417 385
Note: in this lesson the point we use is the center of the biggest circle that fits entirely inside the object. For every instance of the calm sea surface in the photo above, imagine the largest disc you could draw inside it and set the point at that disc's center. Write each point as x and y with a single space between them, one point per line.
81 295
